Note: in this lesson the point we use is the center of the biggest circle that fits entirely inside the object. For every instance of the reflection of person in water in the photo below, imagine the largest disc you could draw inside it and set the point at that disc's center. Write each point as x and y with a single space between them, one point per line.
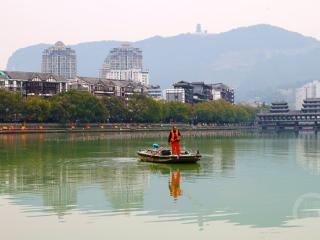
174 185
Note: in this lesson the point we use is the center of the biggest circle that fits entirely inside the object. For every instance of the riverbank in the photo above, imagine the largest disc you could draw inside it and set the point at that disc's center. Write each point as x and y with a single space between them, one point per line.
70 128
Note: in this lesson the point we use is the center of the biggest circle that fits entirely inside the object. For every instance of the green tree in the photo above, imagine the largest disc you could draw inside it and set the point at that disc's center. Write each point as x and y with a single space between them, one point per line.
58 113
178 112
143 109
79 107
11 105
221 111
37 109
204 112
164 110
116 108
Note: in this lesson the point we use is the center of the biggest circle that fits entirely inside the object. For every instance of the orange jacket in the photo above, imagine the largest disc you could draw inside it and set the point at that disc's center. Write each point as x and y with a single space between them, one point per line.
174 136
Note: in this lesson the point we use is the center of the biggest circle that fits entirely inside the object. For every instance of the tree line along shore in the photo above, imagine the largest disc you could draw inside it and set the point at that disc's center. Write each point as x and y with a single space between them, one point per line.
77 107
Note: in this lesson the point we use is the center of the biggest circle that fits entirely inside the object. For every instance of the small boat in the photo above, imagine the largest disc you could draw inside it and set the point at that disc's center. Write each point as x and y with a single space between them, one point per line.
164 156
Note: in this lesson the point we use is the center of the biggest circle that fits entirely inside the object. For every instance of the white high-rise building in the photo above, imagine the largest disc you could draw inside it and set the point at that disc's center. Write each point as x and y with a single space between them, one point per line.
60 60
125 63
309 90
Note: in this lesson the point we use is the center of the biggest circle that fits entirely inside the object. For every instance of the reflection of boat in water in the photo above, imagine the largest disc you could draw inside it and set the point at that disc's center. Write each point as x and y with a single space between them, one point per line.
168 168
164 156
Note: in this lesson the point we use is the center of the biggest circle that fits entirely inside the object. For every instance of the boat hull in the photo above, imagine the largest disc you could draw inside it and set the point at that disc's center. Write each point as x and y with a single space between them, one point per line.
174 159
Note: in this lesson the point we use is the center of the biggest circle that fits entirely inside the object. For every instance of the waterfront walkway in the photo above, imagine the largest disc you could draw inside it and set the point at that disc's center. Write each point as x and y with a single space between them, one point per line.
69 128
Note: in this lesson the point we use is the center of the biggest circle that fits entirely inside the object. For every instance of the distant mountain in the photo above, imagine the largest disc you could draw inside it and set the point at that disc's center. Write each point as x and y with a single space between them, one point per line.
256 61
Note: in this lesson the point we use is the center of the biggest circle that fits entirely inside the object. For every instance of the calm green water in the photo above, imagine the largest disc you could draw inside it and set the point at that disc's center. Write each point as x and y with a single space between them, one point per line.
91 185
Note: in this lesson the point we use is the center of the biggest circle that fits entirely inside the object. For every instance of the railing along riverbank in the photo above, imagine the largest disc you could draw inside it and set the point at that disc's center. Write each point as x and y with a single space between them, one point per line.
70 128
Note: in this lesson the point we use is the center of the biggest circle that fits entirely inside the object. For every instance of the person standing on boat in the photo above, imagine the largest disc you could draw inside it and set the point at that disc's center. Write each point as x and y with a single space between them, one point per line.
174 140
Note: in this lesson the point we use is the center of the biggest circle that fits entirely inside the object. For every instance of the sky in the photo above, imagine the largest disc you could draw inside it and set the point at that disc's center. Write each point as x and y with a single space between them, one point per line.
28 22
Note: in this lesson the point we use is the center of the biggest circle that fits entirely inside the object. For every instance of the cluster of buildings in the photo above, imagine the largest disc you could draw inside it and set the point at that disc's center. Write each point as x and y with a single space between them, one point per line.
195 92
122 74
48 85
107 87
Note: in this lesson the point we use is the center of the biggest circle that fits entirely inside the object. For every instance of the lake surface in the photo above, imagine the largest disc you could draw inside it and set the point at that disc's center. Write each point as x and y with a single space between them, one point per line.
81 186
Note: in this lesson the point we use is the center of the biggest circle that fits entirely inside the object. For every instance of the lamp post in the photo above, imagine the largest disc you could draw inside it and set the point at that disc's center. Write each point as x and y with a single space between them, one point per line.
7 110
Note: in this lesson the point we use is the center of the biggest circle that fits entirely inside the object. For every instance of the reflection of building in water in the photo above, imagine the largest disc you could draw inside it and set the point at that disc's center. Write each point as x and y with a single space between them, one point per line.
55 170
61 195
59 191
124 186
307 152
61 198
19 179
223 156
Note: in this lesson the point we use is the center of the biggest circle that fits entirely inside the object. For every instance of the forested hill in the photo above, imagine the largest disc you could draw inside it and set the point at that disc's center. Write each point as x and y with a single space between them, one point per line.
256 61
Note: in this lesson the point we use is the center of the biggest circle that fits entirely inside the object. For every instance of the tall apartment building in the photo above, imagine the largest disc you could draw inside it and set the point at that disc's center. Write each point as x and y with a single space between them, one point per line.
309 90
60 60
125 63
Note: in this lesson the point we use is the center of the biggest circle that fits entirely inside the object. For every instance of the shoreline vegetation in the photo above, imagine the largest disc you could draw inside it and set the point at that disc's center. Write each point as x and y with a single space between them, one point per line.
82 111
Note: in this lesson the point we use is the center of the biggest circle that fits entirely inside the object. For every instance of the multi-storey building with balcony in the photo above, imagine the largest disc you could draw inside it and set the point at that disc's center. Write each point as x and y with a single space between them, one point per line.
188 91
201 92
222 91
195 92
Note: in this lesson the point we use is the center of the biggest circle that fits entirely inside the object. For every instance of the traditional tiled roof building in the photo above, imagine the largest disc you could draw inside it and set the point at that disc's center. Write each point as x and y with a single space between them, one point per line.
107 87
32 83
280 116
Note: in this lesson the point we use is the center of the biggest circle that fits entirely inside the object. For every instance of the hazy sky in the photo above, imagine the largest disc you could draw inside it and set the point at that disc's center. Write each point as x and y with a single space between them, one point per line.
26 22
